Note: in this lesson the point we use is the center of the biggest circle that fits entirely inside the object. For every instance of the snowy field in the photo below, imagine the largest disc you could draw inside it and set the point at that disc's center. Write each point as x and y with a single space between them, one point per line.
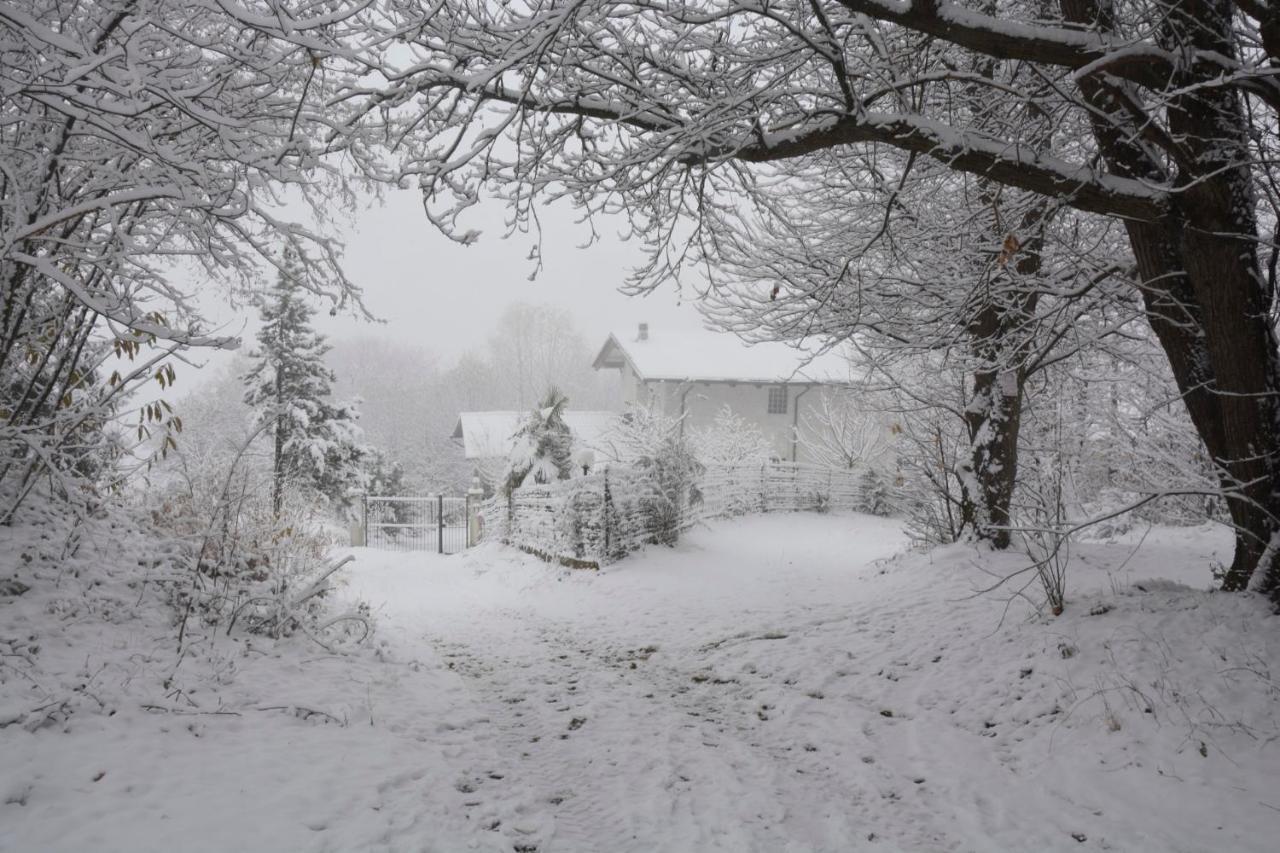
778 683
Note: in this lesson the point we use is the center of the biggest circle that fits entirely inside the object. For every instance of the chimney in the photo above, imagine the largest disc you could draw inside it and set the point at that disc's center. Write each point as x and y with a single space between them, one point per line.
644 332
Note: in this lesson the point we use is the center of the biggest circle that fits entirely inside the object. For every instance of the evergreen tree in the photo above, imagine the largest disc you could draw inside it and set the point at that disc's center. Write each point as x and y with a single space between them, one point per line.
542 446
386 477
315 443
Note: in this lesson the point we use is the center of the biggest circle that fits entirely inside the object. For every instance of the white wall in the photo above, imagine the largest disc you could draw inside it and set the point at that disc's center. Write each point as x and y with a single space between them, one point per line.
702 401
863 433
810 405
632 390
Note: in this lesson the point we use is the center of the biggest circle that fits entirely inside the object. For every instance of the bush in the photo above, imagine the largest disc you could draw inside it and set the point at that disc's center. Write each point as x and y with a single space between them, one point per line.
875 493
655 446
248 566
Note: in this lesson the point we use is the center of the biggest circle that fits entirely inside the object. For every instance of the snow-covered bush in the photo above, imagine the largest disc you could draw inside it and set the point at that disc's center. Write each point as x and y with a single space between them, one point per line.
655 447
931 448
1124 447
875 492
590 520
1044 528
65 418
603 515
68 573
245 560
249 564
730 440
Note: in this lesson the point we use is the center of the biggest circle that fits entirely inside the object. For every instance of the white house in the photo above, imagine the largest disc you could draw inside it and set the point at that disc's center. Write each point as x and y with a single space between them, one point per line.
695 374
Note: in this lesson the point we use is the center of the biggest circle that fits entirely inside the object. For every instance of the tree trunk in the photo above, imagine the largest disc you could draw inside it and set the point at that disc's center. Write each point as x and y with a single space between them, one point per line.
1207 303
993 418
277 470
277 457
1202 285
1000 342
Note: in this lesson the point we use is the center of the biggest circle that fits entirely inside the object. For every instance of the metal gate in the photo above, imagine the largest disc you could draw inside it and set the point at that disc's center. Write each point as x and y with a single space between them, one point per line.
426 523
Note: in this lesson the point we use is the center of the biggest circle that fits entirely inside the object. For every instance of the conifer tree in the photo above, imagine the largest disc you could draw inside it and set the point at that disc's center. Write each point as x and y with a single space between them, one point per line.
315 443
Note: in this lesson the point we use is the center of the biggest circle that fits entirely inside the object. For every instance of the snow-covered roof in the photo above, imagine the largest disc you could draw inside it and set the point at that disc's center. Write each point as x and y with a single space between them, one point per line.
486 435
708 356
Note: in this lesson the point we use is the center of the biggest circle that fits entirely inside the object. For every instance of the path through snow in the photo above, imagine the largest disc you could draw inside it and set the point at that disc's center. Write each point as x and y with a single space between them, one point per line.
785 683
610 730
774 684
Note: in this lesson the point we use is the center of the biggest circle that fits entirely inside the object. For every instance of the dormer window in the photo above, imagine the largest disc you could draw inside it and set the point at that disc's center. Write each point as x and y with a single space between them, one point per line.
778 400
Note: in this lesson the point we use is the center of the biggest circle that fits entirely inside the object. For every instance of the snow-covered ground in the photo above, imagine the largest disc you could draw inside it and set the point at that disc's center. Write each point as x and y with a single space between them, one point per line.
775 683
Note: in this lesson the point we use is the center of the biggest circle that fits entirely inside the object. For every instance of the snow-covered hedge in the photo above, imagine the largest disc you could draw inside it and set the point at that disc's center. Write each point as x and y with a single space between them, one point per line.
598 519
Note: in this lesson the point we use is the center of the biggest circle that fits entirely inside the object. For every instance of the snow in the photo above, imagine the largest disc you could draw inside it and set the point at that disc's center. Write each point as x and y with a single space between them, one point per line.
490 435
773 683
707 356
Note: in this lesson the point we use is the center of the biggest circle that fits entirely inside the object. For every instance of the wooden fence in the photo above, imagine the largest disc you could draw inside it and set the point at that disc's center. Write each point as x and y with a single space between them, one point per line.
591 521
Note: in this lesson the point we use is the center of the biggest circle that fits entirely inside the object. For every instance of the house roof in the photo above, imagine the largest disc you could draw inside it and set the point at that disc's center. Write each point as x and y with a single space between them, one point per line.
708 356
486 435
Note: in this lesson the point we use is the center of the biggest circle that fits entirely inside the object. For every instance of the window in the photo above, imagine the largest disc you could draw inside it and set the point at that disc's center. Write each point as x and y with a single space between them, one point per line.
778 400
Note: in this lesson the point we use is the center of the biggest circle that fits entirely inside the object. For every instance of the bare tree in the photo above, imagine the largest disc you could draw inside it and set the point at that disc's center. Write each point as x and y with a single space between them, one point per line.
730 440
143 144
536 346
843 431
1163 112
935 272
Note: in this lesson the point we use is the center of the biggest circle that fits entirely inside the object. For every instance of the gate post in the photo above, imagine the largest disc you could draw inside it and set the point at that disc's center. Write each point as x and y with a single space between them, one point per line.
360 531
606 503
440 523
475 495
764 488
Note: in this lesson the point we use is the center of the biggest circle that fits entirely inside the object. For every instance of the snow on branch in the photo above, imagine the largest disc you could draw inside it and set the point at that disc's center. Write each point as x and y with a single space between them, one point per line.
1007 162
650 110
134 137
136 134
1084 51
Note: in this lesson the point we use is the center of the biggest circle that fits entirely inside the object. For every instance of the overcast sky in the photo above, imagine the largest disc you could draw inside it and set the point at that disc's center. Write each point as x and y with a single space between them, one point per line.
447 297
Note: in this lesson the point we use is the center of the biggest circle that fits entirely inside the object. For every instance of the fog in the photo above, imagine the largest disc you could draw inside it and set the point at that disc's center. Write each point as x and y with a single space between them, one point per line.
434 293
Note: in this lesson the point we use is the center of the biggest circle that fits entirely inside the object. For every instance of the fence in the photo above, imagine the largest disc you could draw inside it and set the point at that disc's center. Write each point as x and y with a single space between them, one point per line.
598 519
424 523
